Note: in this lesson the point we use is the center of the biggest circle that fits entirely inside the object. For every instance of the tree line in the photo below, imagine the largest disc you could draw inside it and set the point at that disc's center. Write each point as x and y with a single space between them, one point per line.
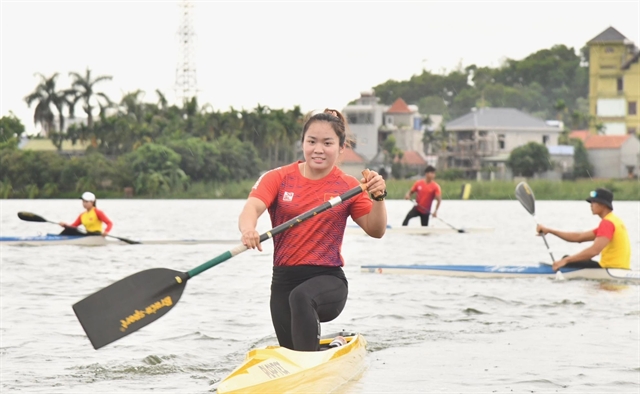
153 146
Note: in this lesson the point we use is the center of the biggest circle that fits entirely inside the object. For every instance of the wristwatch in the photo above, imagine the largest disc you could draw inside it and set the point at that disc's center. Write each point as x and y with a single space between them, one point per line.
380 197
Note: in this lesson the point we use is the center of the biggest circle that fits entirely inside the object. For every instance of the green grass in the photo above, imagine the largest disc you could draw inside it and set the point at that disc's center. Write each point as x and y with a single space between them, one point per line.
544 190
496 190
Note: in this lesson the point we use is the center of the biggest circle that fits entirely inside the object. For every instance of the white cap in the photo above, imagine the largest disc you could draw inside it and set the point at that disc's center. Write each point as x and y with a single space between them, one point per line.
88 196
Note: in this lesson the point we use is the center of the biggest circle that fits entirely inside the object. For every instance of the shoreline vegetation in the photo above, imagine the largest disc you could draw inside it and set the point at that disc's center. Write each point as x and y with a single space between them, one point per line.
624 190
136 147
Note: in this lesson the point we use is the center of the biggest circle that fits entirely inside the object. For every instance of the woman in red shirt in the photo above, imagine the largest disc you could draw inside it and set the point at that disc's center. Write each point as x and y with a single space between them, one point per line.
308 285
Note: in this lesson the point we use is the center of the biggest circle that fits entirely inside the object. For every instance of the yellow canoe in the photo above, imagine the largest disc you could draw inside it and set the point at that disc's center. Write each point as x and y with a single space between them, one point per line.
275 369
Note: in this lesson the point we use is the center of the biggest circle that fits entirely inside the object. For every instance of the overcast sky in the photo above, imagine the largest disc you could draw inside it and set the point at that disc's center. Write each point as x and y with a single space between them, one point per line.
314 54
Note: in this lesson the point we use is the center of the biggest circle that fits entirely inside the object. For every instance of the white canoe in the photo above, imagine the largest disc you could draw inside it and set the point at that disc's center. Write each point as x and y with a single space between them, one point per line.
414 230
56 239
502 271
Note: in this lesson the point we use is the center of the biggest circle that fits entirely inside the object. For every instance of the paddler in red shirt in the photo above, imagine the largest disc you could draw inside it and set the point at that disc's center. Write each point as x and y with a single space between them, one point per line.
92 219
308 284
426 191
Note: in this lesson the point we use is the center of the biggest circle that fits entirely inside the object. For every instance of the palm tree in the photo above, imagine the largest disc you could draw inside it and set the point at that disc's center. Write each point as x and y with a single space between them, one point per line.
84 88
46 95
561 107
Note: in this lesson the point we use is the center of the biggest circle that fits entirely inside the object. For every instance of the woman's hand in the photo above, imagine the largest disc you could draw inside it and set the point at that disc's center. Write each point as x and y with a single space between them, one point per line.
375 183
251 239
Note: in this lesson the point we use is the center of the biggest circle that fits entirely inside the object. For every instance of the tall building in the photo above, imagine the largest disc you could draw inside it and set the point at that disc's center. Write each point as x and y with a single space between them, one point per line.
614 82
365 118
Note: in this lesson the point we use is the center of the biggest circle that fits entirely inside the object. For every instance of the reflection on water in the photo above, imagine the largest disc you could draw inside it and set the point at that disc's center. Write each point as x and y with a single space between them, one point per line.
425 334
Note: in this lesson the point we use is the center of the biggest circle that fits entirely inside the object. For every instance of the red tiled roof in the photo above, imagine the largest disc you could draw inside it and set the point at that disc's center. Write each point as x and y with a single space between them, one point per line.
399 107
412 158
350 156
605 141
580 134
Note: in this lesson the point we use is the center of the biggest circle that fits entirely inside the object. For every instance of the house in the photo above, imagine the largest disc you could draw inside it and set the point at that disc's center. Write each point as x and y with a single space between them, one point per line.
365 117
404 122
562 157
612 156
614 82
489 133
352 163
413 162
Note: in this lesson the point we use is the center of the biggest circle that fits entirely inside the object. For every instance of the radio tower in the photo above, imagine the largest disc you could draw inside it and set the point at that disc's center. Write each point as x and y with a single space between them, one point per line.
186 86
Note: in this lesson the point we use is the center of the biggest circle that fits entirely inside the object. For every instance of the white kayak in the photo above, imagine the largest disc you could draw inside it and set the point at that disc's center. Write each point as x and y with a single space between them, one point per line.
504 271
414 230
57 239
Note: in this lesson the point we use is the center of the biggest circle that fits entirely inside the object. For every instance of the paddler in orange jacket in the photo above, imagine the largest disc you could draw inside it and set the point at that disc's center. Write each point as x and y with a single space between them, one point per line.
92 219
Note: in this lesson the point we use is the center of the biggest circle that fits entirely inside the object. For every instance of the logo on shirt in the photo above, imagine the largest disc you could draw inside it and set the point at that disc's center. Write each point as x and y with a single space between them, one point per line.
329 196
288 196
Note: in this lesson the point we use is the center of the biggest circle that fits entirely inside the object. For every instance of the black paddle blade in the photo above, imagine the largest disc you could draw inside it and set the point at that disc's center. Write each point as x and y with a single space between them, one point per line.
31 217
524 194
129 304
129 241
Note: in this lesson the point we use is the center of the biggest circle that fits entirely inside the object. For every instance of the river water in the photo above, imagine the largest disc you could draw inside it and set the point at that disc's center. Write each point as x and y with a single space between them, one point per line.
425 334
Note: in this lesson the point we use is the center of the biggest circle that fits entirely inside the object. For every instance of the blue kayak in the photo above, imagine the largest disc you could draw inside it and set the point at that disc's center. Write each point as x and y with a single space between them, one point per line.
506 271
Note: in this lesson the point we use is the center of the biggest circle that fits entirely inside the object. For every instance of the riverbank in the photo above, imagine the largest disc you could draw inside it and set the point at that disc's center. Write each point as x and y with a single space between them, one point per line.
496 190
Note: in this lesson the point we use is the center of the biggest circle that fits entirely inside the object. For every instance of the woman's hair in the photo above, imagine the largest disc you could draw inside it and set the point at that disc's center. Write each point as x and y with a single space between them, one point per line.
335 119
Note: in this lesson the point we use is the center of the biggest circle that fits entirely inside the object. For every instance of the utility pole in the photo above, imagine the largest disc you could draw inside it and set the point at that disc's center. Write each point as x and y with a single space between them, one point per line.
186 83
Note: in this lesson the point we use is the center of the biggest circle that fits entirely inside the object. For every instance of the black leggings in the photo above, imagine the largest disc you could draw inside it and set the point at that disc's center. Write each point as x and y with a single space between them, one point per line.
74 231
424 217
584 264
301 298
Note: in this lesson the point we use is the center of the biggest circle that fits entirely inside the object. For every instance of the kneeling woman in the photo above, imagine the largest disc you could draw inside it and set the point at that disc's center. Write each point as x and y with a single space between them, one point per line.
308 285
92 219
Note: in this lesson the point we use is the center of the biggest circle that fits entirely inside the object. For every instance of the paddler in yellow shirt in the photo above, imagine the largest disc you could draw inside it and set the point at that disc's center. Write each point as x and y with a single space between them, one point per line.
92 219
610 239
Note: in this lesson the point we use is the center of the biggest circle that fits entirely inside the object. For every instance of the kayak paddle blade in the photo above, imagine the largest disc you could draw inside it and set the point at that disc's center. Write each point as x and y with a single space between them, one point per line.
129 304
524 194
125 240
31 217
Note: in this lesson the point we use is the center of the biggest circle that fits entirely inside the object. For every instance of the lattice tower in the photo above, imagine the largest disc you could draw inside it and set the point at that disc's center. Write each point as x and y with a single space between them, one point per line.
186 83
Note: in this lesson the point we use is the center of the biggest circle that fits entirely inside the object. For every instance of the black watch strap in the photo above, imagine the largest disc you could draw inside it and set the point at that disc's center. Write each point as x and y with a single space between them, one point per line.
380 197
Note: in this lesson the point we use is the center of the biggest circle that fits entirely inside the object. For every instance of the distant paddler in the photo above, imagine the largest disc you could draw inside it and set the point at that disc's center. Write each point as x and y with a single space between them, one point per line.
610 238
92 219
426 191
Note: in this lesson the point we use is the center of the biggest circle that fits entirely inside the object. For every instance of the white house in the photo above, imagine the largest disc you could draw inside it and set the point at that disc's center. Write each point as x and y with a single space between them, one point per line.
495 132
612 156
365 118
404 122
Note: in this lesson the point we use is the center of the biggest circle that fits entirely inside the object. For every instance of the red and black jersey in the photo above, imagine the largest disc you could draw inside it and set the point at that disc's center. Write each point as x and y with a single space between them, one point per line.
318 240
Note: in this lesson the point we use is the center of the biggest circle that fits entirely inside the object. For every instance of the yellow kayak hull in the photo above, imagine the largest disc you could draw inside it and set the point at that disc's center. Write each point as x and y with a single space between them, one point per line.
275 369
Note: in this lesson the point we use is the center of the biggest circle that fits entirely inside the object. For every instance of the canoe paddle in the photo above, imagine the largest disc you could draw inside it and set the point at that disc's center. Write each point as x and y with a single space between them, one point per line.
32 217
138 300
437 217
524 194
457 229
